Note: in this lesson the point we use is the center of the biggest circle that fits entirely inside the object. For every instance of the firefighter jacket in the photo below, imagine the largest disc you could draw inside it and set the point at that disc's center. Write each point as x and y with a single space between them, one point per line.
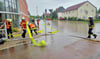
8 25
91 24
23 24
32 26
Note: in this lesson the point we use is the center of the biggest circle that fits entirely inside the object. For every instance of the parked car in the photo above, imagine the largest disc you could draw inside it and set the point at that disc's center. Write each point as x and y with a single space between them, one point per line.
48 19
61 18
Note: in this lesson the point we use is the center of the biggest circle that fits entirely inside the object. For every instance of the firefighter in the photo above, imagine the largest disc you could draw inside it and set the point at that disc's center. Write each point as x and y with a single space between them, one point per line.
23 26
32 27
91 27
9 27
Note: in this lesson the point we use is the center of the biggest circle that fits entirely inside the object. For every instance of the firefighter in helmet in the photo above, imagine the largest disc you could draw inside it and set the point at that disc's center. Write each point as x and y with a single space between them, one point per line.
33 27
91 27
9 28
23 26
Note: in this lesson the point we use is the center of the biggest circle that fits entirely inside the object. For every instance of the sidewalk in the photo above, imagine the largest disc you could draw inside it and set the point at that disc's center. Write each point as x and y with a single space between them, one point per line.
19 41
10 44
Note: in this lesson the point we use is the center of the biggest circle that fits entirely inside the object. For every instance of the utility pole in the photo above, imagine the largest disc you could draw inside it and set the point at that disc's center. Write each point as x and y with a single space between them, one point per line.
45 25
51 10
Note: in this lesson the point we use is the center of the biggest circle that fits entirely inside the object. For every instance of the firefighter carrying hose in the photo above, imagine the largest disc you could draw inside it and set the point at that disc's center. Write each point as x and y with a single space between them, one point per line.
23 26
33 27
91 27
9 28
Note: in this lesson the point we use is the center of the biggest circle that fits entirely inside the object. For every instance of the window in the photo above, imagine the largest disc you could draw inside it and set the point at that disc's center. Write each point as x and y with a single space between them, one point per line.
16 7
86 4
81 11
7 5
84 17
1 5
8 16
92 10
86 12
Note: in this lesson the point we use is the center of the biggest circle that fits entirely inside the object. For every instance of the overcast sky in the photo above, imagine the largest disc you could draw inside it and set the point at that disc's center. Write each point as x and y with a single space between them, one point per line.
53 4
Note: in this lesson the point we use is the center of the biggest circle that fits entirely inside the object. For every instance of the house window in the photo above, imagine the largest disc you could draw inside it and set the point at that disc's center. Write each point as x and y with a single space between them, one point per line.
86 12
92 10
84 17
81 11
86 4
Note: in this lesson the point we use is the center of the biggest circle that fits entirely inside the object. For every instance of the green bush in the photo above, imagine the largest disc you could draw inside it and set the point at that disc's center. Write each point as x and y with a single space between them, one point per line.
72 18
65 18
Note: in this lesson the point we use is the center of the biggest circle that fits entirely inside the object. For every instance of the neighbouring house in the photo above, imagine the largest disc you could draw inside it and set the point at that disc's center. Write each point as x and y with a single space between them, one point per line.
59 12
80 11
13 9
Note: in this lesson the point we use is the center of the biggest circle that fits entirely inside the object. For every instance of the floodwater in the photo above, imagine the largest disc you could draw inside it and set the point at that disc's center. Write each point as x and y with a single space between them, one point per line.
66 44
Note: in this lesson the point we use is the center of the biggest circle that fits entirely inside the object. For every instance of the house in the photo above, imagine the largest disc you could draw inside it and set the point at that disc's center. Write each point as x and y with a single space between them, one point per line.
59 12
81 11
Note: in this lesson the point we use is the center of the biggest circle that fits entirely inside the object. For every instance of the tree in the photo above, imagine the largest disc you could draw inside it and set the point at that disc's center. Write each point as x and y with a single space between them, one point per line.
54 15
99 10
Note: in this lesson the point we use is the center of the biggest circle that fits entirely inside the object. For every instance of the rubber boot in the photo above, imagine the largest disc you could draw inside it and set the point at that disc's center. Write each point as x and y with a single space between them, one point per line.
11 36
95 36
8 37
89 37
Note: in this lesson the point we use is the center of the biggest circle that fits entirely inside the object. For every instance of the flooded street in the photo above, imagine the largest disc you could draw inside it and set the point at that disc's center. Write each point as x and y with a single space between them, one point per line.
65 44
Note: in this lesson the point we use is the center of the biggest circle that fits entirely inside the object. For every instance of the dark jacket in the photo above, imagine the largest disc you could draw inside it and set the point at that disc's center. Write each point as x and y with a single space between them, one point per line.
91 23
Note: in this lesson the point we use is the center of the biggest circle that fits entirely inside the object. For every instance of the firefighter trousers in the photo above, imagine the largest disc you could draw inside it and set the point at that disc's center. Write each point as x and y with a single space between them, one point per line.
9 32
90 32
24 33
34 31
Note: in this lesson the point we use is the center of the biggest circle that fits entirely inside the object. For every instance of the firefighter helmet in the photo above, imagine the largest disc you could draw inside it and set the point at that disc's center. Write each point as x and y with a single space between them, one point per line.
23 18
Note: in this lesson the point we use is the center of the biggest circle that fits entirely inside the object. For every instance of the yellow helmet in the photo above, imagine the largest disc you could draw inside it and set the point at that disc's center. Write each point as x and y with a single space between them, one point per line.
10 20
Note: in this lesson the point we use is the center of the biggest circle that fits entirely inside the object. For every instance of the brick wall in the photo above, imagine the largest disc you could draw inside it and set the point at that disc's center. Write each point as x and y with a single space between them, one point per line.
24 9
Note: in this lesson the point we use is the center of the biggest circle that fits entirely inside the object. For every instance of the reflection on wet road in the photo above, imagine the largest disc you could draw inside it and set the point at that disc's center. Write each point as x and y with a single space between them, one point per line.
61 45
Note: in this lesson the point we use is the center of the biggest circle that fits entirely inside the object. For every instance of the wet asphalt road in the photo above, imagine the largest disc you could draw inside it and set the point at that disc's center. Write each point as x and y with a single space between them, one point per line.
66 44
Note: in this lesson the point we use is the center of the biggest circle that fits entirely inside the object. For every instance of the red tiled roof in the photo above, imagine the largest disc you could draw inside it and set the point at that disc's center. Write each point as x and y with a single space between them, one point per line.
74 7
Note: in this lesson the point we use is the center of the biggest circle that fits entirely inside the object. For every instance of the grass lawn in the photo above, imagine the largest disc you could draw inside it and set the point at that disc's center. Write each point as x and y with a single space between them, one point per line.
86 21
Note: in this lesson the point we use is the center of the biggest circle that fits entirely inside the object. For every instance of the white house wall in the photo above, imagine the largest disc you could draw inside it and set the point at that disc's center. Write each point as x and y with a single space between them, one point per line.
72 13
86 10
60 14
